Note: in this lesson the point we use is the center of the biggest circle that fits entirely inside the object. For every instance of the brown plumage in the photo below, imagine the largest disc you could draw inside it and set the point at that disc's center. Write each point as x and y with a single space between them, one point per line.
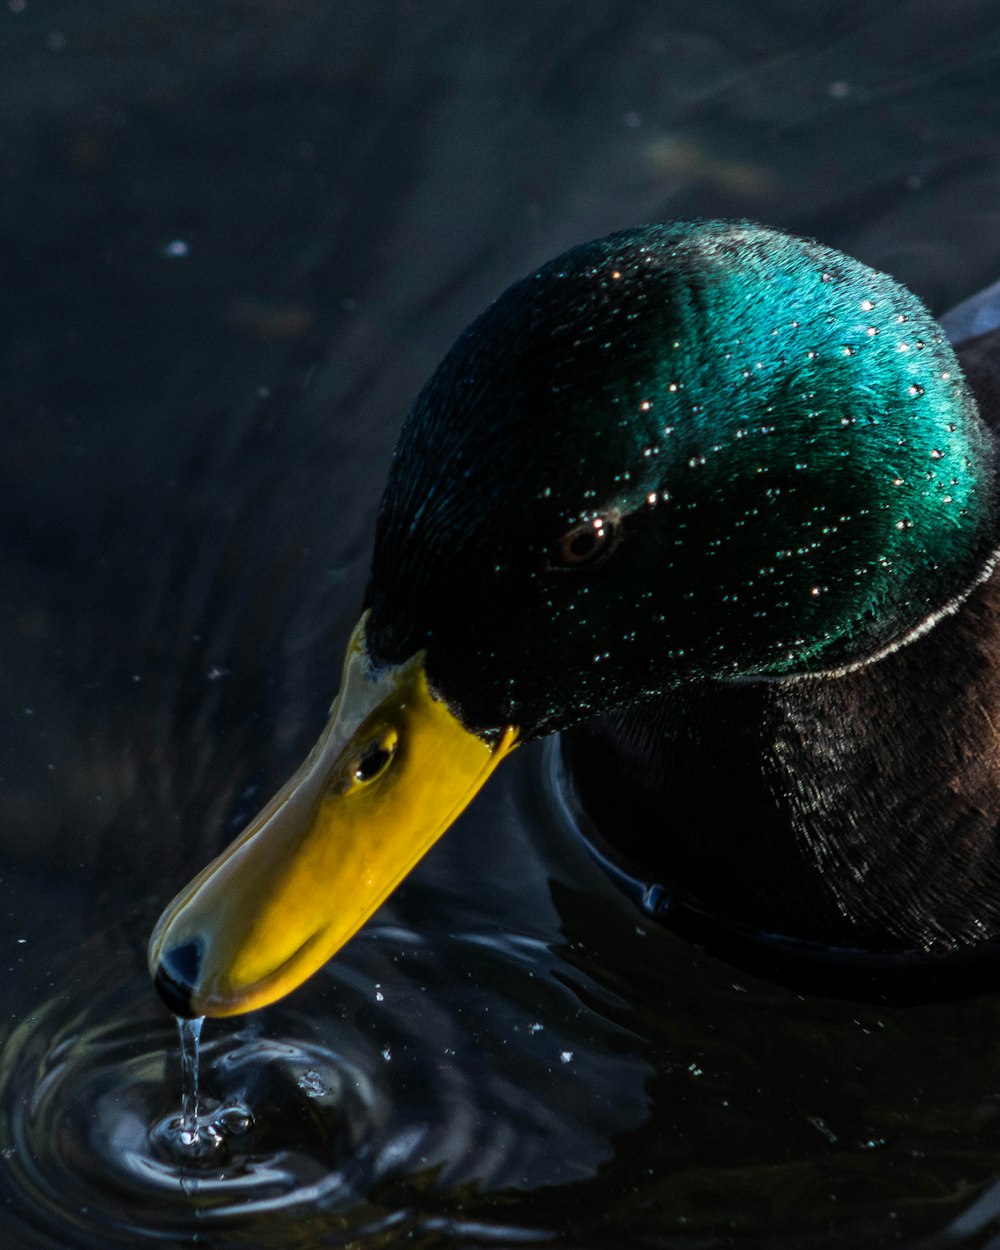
859 813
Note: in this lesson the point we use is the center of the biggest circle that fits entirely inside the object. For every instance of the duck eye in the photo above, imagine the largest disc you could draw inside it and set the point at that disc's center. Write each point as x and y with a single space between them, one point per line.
374 759
586 543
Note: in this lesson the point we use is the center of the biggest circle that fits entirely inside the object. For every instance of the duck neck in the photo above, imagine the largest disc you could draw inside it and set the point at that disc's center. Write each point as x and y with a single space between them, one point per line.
854 811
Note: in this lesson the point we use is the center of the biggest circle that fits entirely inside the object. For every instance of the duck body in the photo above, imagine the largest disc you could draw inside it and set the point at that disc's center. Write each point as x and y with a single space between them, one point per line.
719 505
858 812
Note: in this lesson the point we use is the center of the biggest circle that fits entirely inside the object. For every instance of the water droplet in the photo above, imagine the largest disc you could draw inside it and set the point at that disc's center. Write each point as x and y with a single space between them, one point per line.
821 1126
867 305
935 454
826 277
235 1121
915 391
904 524
312 1084
565 1056
849 350
654 897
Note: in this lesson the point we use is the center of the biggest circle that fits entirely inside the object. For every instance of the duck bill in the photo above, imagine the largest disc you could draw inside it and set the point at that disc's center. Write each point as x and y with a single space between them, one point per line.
391 771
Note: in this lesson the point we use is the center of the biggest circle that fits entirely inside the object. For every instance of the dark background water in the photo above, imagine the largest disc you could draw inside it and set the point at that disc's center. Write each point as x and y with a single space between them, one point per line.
234 239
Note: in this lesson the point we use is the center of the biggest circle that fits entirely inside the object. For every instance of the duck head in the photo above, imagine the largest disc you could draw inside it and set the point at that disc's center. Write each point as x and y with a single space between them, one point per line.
700 451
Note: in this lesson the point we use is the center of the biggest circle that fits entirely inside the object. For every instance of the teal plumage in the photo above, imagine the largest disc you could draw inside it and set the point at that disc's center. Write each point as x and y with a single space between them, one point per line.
797 474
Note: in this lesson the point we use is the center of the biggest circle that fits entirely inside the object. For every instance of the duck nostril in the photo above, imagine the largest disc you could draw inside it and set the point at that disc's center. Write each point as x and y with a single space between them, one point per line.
374 760
175 977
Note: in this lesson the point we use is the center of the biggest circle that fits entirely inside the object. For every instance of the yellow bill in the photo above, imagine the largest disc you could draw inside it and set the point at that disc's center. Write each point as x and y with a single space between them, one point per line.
391 771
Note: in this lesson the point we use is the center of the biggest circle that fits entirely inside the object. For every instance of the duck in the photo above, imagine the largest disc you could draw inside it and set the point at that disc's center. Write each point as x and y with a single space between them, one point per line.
717 506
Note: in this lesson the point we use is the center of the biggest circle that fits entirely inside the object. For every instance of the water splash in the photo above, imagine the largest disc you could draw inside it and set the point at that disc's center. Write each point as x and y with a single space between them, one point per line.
198 1138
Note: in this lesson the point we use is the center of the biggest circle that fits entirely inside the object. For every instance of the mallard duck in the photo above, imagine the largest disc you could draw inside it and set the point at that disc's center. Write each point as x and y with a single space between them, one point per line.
718 505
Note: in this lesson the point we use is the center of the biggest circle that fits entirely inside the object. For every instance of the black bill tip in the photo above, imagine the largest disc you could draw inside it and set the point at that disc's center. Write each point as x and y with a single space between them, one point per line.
176 975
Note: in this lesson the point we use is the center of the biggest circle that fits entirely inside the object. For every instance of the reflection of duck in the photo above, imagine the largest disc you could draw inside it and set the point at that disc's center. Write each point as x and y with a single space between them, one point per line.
720 499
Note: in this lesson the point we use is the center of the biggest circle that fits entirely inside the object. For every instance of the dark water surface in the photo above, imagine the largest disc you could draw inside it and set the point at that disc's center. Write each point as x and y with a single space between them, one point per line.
234 239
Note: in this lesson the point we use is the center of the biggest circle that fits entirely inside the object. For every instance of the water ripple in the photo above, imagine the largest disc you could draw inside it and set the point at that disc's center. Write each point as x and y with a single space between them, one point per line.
373 1127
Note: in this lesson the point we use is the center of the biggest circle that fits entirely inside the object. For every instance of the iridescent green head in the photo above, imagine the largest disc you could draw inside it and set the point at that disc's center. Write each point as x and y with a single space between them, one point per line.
692 451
